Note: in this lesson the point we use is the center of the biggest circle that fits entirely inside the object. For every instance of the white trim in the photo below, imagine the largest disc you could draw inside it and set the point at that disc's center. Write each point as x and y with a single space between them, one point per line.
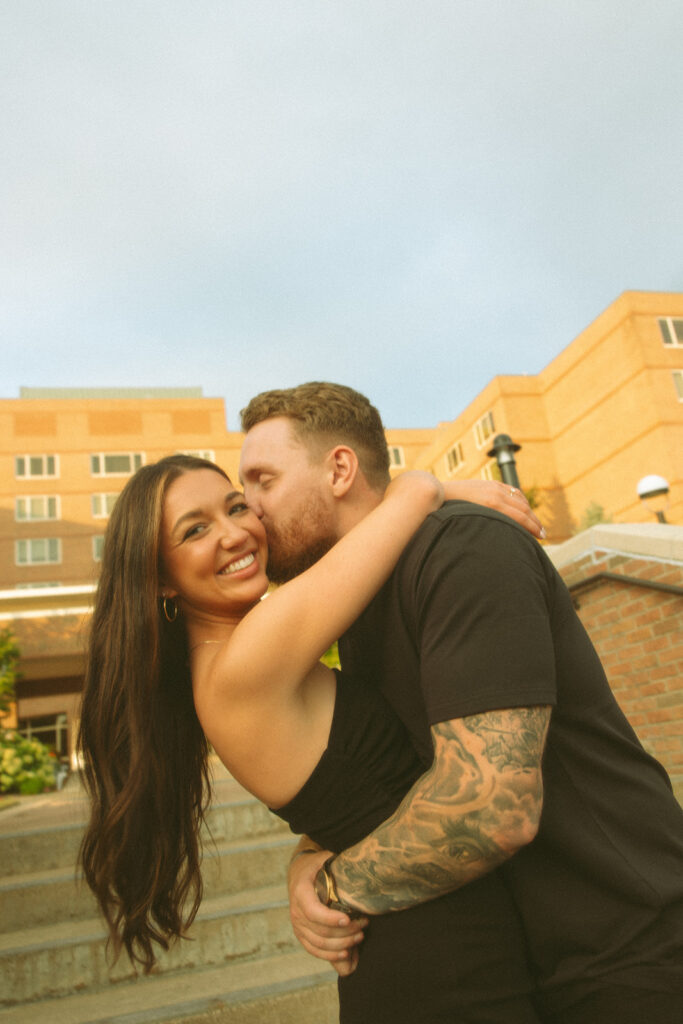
46 613
45 602
55 591
655 541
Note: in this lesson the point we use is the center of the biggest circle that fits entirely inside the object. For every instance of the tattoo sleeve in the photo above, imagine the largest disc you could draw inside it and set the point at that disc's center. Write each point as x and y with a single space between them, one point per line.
478 804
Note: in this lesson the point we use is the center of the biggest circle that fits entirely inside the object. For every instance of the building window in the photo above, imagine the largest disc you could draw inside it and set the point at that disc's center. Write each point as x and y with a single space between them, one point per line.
115 463
671 330
98 547
38 551
36 509
483 429
396 459
491 471
454 458
209 455
678 383
102 504
36 466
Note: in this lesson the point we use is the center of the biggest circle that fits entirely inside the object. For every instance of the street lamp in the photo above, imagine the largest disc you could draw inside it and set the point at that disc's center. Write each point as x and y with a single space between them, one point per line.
654 490
503 450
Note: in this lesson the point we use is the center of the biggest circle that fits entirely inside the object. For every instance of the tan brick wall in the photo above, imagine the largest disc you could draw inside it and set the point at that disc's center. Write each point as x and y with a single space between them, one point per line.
638 633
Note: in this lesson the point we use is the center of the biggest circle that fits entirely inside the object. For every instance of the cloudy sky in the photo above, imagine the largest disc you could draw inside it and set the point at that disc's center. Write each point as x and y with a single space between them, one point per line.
408 197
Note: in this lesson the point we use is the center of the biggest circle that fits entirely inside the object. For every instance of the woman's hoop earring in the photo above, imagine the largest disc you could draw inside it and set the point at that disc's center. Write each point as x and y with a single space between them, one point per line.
173 615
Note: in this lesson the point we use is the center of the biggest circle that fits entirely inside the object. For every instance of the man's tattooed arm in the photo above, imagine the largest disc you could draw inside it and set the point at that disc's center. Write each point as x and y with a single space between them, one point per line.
474 808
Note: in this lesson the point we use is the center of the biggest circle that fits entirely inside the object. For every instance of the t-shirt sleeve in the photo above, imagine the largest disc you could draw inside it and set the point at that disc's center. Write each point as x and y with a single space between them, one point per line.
482 616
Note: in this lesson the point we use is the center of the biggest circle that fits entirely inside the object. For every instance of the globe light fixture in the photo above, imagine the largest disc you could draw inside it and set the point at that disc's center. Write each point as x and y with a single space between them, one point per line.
654 491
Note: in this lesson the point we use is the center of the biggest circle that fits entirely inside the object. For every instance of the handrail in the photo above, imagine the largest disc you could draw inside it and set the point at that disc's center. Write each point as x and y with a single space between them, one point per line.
616 577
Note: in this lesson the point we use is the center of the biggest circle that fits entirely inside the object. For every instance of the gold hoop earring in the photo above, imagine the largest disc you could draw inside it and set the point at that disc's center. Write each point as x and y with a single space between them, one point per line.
174 606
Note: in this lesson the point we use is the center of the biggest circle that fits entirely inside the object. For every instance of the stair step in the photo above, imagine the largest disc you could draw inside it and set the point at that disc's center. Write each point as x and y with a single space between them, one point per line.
59 959
41 897
289 988
240 965
56 846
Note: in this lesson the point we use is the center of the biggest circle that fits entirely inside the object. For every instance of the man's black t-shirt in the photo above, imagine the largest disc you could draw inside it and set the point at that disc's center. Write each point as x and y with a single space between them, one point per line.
475 618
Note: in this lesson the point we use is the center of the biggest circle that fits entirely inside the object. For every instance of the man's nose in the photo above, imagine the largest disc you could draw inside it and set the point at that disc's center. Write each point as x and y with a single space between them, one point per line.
251 498
232 532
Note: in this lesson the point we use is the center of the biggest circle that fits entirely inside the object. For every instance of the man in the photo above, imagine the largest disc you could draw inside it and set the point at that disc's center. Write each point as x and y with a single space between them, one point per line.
476 644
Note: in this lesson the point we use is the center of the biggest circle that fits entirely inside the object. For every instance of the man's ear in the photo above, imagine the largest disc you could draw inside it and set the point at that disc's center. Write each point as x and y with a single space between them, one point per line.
342 464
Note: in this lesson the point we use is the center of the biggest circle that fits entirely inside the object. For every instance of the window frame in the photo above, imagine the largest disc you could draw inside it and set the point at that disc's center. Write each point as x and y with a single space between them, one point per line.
27 544
669 333
487 419
102 473
28 475
491 471
400 461
208 454
453 465
39 518
103 497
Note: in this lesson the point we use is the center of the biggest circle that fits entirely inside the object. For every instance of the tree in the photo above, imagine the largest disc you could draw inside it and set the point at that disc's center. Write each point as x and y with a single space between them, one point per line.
9 655
26 766
593 515
532 495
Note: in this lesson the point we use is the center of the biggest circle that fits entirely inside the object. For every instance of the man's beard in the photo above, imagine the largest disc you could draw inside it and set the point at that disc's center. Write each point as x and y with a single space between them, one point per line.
297 545
284 563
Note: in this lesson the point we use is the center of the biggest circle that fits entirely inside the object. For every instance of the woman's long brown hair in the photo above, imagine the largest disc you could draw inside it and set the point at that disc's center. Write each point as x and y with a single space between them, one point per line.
144 752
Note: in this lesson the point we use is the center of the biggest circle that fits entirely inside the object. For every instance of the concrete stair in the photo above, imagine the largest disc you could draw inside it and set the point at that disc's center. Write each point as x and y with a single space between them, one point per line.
240 963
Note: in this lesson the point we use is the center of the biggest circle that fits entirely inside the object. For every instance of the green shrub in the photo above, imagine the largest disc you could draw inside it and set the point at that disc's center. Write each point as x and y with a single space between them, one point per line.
26 766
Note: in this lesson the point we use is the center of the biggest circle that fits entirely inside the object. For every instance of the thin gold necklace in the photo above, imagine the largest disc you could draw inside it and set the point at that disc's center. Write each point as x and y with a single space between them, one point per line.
199 644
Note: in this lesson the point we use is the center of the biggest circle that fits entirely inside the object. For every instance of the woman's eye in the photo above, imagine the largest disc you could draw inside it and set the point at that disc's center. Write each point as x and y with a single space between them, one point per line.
193 531
238 507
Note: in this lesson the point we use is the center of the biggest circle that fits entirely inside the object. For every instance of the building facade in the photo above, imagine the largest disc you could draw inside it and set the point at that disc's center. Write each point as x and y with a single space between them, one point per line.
606 412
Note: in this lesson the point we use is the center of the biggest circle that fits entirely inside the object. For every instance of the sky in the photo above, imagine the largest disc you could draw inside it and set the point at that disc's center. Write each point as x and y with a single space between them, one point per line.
405 197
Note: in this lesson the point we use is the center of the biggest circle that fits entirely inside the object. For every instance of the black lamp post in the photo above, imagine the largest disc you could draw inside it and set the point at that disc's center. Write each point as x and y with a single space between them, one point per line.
503 450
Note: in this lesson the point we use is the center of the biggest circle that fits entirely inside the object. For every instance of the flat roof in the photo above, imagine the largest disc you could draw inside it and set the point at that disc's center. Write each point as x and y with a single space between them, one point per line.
46 393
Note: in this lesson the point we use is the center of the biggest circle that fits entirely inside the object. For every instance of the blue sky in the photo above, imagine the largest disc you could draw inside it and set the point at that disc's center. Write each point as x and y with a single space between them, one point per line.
405 197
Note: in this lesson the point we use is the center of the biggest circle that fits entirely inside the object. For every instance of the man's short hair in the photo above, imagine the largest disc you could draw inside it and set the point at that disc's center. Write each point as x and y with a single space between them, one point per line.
325 414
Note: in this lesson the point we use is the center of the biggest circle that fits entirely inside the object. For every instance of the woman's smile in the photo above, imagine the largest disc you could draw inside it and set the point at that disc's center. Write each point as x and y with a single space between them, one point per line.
237 566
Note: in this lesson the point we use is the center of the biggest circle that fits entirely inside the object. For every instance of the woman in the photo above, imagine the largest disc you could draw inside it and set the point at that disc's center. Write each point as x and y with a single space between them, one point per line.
183 651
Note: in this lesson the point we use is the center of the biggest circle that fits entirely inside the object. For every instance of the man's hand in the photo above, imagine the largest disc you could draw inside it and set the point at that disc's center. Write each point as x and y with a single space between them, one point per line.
324 933
501 497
